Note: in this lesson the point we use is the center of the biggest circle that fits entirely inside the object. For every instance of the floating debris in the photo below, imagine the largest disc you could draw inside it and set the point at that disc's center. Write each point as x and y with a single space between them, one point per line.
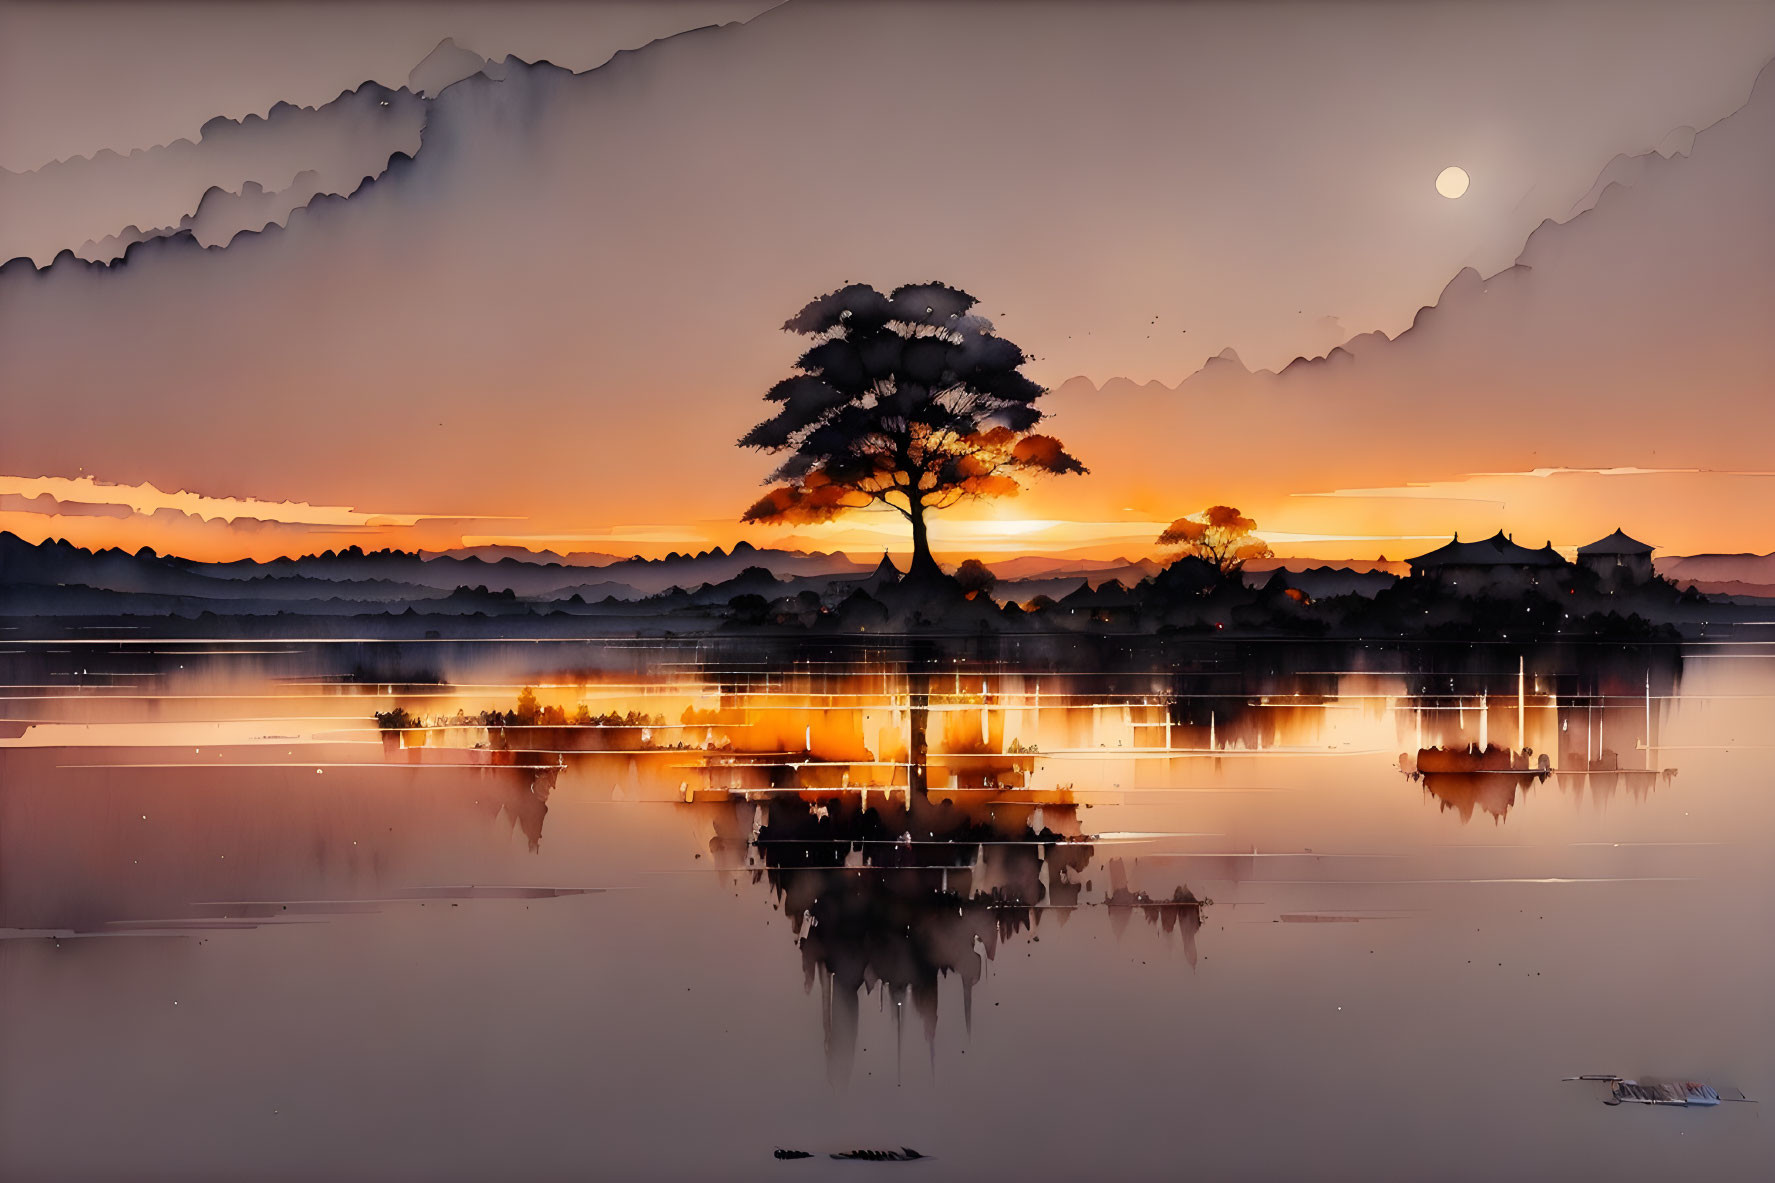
781 1153
903 1154
1318 918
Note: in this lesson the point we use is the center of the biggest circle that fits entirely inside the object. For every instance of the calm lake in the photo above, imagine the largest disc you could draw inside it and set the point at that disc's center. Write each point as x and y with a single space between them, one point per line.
1222 912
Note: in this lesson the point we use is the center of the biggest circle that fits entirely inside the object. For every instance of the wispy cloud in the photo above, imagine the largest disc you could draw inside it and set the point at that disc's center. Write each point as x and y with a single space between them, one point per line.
148 499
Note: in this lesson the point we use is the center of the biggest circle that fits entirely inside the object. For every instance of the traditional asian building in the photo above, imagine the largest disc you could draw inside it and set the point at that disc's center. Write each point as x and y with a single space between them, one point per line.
1617 559
884 576
1495 564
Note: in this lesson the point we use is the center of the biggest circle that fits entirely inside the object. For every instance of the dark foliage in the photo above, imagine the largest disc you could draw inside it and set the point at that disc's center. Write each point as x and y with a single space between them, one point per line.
905 400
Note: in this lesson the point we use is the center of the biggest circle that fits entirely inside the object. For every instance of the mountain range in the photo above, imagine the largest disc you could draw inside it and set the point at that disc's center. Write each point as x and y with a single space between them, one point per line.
390 579
55 578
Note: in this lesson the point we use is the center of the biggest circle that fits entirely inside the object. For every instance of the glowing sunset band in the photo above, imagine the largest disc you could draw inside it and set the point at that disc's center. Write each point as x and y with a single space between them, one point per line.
1565 505
146 499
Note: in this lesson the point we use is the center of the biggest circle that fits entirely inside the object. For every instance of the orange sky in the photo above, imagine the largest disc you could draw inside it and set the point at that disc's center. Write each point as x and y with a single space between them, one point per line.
554 338
1566 508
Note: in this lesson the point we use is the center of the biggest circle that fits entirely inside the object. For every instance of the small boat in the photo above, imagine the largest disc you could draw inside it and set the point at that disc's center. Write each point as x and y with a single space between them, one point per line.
1681 1092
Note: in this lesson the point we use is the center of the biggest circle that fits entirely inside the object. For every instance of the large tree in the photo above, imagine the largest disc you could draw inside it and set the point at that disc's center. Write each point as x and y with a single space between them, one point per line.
904 400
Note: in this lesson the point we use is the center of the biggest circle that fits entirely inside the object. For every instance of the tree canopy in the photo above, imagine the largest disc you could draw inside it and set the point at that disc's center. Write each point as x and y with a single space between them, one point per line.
1219 535
975 576
905 400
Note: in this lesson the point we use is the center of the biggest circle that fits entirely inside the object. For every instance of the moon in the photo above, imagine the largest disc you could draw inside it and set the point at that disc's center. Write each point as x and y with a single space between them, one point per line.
1452 181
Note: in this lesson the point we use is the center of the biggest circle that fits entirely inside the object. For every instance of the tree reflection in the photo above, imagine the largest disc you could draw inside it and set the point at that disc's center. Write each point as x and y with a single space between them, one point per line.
895 889
904 811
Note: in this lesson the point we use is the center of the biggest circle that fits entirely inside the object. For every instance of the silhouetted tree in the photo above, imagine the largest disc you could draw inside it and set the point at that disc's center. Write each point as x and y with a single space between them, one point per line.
975 576
904 400
749 608
1219 535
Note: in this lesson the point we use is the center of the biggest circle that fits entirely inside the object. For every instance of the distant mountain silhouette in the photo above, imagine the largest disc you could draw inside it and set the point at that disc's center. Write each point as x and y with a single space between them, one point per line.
1038 566
1721 574
492 554
388 579
391 580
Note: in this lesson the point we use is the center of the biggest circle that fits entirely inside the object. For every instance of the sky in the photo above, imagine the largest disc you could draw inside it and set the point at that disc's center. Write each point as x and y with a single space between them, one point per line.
539 305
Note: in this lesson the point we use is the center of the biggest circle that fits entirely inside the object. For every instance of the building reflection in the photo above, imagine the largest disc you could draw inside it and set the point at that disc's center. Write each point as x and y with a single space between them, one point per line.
1479 740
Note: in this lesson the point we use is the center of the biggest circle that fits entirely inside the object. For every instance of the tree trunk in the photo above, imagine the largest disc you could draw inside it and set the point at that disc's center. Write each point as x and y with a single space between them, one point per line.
918 698
922 562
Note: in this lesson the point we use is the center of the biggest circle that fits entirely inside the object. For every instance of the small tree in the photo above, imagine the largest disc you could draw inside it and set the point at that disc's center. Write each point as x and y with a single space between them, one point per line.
903 400
975 576
1219 535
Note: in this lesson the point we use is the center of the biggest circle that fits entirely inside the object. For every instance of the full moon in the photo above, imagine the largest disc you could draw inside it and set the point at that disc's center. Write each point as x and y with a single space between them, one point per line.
1451 182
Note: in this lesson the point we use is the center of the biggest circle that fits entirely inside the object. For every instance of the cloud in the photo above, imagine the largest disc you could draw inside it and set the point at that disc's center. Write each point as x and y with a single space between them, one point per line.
1630 338
45 505
446 64
219 216
148 73
53 494
1631 169
70 202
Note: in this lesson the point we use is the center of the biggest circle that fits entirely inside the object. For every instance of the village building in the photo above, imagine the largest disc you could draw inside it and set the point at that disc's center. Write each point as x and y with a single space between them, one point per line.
1493 565
885 575
1110 602
1617 560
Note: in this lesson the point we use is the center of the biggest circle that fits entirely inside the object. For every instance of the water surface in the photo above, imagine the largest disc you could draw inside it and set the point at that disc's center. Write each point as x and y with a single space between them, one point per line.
1232 912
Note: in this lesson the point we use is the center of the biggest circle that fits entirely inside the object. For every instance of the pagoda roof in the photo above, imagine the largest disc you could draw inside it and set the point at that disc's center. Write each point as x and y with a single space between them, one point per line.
1615 544
1497 551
